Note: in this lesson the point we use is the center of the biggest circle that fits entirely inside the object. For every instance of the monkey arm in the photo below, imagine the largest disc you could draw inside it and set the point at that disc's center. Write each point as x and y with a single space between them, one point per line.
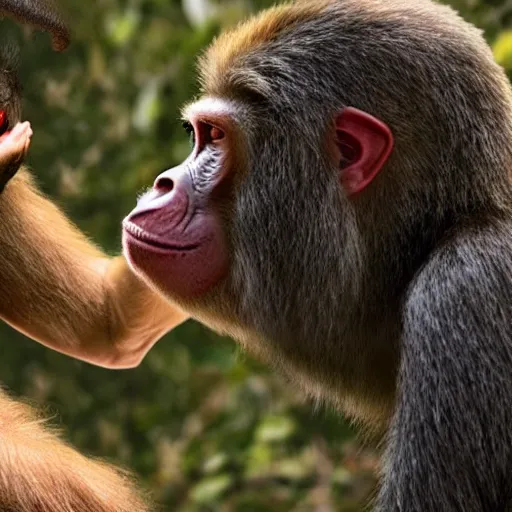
59 289
39 472
450 439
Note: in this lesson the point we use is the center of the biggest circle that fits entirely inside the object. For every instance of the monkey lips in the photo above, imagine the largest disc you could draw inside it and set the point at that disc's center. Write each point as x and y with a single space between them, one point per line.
172 239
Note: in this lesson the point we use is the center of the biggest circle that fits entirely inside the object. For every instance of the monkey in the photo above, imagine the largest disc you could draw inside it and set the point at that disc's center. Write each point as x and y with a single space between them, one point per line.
61 290
346 215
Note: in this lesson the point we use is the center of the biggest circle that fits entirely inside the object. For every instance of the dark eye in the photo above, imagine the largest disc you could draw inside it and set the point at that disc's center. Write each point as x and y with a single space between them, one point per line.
207 133
4 122
190 131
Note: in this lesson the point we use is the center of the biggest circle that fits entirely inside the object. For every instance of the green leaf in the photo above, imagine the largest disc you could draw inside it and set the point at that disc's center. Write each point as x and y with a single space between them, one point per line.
503 49
275 428
211 489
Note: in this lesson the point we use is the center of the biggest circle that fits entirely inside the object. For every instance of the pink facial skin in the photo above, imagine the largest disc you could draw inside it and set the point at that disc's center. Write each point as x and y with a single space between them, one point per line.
173 240
174 237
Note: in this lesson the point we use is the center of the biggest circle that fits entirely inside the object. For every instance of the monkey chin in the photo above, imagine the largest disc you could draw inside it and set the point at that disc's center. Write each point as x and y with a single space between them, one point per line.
183 271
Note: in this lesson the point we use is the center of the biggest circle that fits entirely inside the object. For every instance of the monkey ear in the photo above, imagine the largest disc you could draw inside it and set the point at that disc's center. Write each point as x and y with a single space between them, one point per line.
364 143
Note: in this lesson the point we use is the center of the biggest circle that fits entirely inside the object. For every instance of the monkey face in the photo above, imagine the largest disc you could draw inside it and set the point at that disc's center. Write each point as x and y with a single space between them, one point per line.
232 205
175 235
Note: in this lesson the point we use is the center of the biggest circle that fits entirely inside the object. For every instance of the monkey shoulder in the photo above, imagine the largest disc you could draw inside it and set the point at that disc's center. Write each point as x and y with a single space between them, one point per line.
456 348
454 404
465 287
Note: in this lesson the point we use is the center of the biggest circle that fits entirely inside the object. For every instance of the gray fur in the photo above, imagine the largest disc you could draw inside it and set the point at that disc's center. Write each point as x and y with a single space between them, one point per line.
396 304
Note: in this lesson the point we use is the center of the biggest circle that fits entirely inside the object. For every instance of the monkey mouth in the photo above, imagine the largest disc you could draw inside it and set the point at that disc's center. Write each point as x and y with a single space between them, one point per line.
145 239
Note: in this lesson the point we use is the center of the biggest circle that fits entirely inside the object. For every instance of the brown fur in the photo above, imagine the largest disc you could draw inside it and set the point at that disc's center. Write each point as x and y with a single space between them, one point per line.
58 288
41 473
52 289
248 36
61 290
100 311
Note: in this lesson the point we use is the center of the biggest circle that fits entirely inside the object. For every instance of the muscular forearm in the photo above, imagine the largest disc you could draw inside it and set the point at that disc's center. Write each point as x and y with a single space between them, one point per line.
59 289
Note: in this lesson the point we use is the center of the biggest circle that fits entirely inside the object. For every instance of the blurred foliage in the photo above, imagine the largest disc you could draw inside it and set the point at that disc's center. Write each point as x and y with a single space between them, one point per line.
205 428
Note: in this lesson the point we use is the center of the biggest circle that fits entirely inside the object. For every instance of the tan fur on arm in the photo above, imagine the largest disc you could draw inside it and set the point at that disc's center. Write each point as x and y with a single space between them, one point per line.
40 473
139 316
58 288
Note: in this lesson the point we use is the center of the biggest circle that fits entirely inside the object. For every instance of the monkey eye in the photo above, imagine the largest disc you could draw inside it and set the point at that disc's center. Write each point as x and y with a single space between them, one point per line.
209 134
4 122
190 131
188 126
214 133
206 133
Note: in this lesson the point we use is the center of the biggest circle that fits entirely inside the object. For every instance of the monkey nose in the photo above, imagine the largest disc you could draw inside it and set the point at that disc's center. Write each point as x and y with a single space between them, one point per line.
163 184
171 180
170 189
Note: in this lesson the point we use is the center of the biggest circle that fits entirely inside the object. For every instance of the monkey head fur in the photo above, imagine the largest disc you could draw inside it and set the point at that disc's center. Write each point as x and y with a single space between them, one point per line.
314 274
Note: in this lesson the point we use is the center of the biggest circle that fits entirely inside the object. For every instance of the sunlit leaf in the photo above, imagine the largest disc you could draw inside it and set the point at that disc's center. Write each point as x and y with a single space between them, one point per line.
503 49
122 28
147 107
215 463
210 489
275 428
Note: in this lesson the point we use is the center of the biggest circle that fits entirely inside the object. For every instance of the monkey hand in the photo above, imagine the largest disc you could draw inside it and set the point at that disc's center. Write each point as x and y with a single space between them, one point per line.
13 148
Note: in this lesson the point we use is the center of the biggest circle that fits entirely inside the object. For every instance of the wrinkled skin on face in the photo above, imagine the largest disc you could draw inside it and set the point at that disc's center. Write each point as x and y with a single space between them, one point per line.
174 236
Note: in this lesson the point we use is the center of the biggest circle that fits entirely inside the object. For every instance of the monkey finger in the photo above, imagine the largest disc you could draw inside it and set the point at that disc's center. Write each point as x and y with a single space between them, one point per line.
13 150
20 130
14 134
16 138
